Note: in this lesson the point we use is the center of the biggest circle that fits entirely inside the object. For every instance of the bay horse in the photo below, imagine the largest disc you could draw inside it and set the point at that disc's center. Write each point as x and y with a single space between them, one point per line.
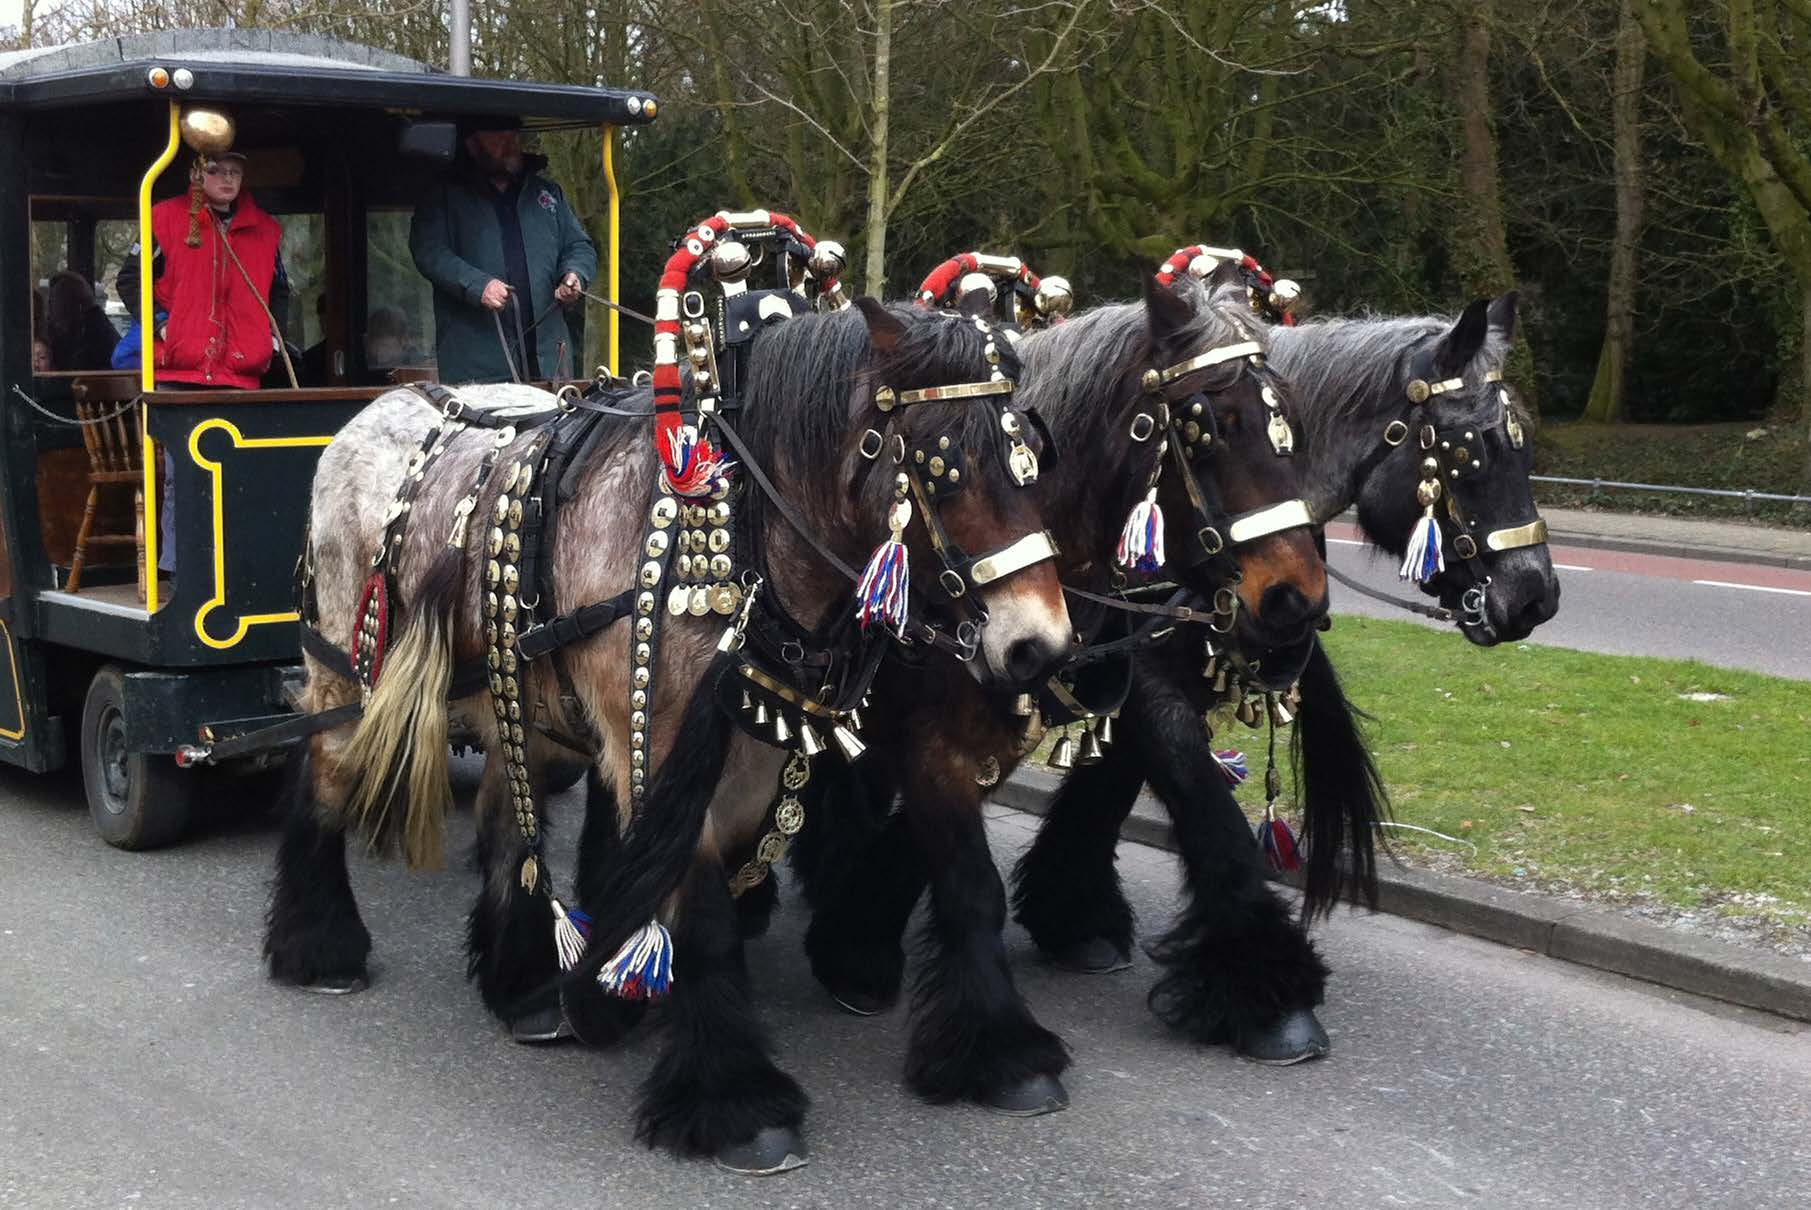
812 409
1178 382
1238 969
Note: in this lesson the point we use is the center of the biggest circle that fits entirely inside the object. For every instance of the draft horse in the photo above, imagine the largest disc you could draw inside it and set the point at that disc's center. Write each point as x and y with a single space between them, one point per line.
693 791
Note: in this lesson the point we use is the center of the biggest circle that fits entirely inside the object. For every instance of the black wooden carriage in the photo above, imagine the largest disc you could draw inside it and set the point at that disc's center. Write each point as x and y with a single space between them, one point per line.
103 658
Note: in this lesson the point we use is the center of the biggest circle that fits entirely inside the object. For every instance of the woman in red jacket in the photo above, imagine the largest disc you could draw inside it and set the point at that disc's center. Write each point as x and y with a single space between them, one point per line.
217 333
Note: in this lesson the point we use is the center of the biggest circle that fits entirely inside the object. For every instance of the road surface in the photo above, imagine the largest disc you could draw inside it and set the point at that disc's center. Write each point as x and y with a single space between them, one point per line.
1734 615
145 1061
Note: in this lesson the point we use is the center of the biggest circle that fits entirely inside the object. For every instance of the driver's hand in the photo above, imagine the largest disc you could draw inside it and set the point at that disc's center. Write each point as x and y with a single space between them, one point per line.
496 293
568 289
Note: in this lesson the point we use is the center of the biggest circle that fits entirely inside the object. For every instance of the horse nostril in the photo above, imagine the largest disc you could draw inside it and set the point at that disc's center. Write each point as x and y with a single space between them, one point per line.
1027 658
1283 609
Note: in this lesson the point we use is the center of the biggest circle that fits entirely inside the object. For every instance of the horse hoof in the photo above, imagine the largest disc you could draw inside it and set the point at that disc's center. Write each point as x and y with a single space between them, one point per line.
1028 1098
773 1150
860 1003
1095 956
541 1026
336 985
1296 1038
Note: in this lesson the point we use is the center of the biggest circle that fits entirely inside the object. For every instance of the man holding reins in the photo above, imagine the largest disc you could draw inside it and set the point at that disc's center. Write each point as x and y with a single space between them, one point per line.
506 255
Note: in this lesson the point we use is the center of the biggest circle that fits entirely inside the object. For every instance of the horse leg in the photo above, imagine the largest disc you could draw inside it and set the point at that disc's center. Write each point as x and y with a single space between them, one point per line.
313 935
973 1036
1239 967
599 1019
509 932
715 1089
1066 889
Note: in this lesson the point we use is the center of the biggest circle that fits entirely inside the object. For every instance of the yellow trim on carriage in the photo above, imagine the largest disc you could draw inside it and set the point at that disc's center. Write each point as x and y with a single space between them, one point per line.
12 651
240 441
616 207
147 345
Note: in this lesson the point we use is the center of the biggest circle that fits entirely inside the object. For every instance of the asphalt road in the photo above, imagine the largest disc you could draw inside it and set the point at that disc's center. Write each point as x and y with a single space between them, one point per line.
145 1061
1733 615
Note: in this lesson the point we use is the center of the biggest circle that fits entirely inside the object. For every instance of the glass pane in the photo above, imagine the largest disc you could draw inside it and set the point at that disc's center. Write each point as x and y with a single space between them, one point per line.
399 326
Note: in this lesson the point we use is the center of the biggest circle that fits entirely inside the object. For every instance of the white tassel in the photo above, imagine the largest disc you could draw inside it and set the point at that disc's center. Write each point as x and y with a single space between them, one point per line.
567 939
1141 541
1423 560
643 968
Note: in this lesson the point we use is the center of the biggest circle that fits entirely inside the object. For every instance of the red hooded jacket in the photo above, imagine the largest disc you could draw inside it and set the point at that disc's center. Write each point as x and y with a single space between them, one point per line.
216 334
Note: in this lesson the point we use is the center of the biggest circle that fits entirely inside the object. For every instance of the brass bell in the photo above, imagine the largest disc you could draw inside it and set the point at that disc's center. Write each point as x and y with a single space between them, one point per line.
1063 755
847 742
1023 705
760 714
1249 712
748 703
855 720
1090 752
781 731
809 743
1280 715
1221 679
1211 668
1104 729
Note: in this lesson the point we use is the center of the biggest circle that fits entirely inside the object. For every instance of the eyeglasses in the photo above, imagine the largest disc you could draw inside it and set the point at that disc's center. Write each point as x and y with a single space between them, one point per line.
225 170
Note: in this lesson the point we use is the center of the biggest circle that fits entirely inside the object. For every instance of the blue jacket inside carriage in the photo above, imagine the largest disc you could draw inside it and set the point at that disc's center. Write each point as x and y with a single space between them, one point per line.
498 218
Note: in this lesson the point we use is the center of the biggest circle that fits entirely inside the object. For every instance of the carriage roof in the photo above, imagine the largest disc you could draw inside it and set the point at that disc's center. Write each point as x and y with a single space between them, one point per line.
270 66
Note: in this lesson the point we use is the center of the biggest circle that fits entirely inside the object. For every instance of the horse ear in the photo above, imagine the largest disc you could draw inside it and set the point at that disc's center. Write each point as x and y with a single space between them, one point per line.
885 329
1502 315
977 304
1462 342
1166 311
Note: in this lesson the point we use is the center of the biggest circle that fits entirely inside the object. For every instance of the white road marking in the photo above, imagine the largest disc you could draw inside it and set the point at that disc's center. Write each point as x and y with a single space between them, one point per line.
1572 567
1791 592
1345 541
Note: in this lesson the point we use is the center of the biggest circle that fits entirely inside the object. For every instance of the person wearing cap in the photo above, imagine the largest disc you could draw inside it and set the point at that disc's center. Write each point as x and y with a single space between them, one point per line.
215 332
506 255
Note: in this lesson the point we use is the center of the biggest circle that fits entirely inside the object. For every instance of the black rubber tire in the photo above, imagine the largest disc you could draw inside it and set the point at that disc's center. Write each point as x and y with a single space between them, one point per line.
137 800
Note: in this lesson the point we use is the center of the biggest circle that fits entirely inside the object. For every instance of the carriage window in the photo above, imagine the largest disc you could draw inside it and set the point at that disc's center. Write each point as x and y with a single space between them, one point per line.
399 325
75 323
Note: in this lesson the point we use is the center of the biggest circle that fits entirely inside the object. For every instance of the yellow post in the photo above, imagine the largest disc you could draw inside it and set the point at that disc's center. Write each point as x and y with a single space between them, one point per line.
147 344
616 214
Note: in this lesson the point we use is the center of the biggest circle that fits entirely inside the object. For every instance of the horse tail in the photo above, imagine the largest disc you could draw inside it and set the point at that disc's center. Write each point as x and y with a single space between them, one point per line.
401 750
1343 798
659 846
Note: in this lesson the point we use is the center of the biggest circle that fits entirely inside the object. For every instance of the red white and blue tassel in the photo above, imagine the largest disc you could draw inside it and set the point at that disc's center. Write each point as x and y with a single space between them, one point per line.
1232 766
1141 541
1423 560
886 582
693 468
571 928
1277 840
643 968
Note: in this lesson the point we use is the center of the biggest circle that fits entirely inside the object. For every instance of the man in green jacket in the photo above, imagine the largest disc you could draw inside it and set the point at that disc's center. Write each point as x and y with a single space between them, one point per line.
506 256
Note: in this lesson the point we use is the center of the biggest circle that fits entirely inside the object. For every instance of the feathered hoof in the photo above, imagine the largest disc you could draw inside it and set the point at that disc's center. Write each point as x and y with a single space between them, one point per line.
1295 1038
773 1150
861 1003
598 1019
541 1026
1030 1097
336 985
1093 956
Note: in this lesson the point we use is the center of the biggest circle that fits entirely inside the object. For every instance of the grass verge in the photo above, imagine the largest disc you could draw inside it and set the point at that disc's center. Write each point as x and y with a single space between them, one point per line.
1753 456
1610 777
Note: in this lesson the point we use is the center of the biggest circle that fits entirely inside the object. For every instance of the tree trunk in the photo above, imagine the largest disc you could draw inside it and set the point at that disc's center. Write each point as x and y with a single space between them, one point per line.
1608 391
1482 244
874 279
1804 386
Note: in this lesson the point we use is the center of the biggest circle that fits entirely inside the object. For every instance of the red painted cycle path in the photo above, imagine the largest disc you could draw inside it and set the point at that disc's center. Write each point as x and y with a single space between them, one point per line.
1710 572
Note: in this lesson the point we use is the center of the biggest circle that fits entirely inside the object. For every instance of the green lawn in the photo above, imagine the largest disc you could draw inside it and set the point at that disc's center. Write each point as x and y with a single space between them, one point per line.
1585 772
1755 456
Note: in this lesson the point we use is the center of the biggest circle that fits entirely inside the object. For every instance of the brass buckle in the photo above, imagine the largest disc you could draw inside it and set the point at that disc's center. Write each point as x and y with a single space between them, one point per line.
1142 432
952 582
880 443
1210 540
1465 546
1395 433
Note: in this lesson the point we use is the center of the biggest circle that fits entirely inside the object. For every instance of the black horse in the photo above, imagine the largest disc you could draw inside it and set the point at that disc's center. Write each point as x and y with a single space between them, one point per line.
1239 969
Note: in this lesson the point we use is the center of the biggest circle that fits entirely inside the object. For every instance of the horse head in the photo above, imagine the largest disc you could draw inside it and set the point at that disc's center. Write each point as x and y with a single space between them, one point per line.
940 457
1231 492
1458 457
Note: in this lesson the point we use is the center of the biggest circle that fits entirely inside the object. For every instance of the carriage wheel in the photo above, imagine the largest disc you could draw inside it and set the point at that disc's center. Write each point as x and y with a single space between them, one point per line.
138 800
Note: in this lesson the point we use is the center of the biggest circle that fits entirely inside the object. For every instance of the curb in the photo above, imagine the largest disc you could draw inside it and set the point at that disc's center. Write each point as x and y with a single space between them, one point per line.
1555 928
1677 550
